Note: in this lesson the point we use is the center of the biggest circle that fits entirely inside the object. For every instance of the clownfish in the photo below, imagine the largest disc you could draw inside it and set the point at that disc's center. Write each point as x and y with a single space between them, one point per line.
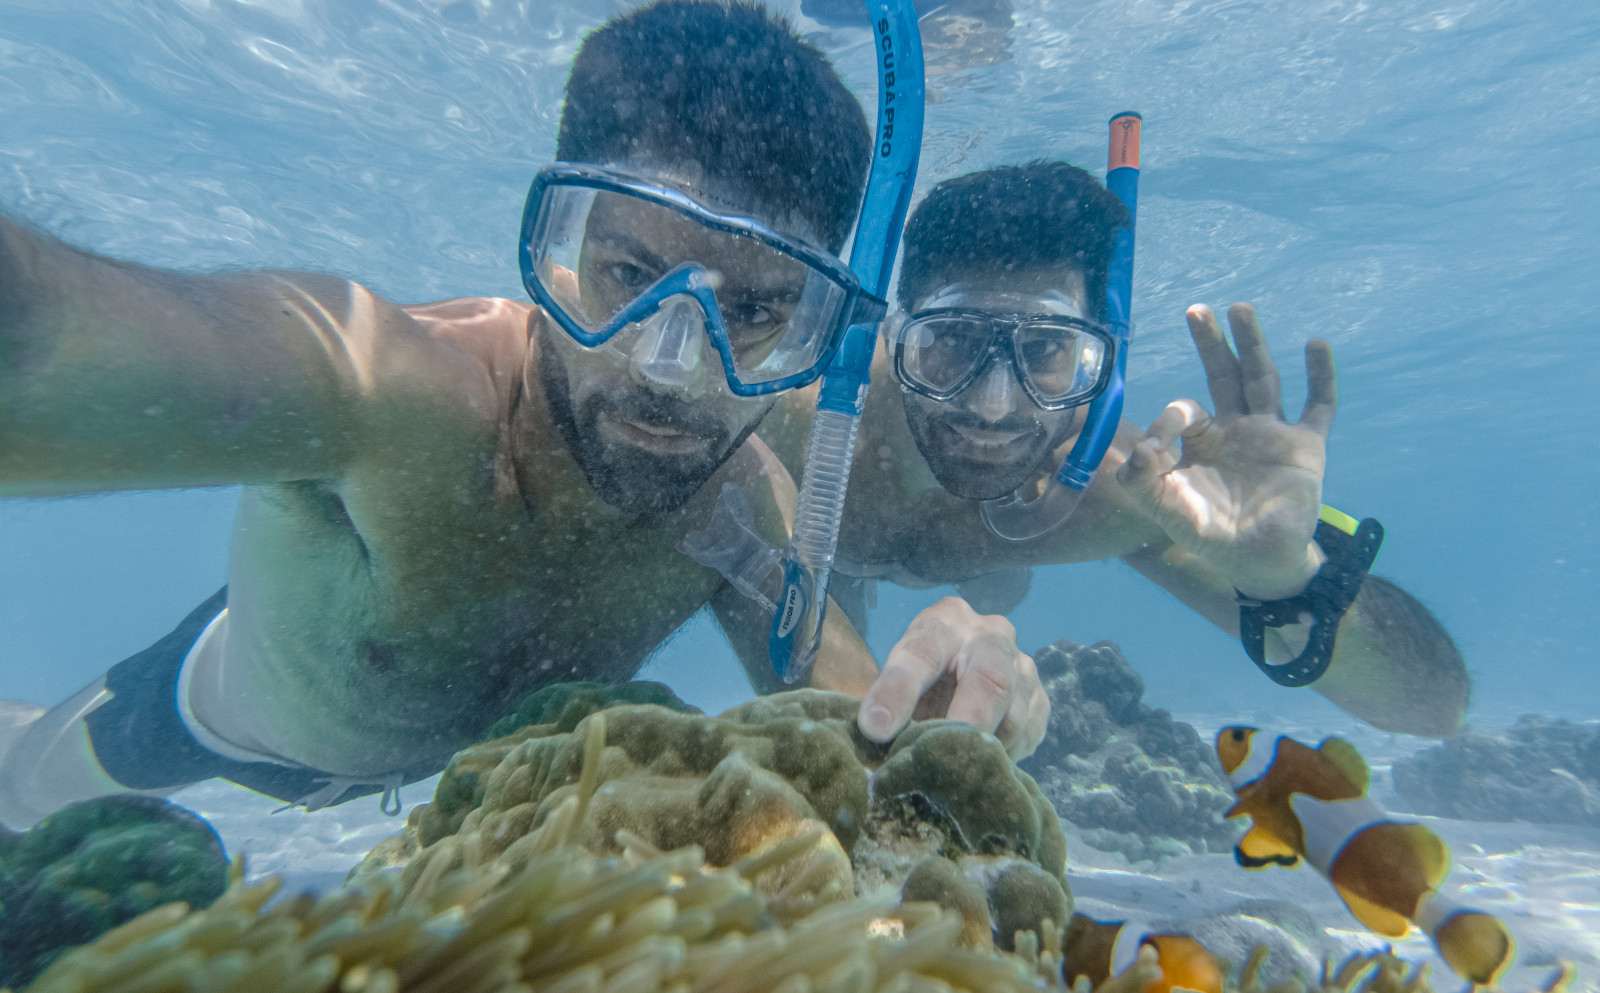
1312 803
1103 949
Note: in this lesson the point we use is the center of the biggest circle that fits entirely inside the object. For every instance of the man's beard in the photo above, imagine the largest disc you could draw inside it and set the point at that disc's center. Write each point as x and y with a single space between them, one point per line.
627 478
962 473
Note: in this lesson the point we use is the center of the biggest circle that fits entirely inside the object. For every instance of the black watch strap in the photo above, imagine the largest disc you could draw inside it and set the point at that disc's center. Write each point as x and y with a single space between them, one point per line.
1350 548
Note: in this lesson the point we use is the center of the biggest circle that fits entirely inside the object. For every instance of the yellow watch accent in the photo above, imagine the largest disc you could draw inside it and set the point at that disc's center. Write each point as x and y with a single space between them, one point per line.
1335 517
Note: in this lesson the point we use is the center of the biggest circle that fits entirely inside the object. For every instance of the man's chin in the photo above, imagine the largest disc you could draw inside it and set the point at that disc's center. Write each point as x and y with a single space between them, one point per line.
636 481
973 480
976 478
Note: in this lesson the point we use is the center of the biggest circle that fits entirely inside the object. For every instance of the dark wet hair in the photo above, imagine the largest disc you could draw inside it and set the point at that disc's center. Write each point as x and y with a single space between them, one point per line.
1011 217
732 88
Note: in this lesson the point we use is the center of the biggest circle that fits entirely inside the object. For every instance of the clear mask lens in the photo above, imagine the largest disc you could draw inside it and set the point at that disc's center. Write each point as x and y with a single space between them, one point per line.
1062 362
597 253
942 353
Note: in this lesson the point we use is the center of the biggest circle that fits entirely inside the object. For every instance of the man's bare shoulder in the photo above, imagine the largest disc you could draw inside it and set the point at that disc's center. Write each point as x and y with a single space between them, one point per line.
772 490
493 330
776 479
446 381
769 493
458 363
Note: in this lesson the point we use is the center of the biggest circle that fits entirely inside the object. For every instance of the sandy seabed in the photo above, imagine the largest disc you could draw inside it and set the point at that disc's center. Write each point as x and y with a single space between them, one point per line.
1543 880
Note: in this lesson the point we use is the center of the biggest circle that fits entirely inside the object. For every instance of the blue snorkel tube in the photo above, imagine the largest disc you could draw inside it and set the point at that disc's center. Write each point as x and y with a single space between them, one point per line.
1023 517
802 605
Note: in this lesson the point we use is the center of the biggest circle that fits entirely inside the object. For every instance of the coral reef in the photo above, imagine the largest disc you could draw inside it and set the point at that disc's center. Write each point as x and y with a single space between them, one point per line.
1126 775
94 865
740 784
547 913
1542 769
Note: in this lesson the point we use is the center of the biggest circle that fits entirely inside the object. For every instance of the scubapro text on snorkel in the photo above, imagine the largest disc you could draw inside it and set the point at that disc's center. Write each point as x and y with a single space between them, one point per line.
886 46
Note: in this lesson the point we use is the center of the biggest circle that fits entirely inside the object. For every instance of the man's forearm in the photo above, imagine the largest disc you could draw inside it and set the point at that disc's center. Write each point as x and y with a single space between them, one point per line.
19 299
119 376
1394 665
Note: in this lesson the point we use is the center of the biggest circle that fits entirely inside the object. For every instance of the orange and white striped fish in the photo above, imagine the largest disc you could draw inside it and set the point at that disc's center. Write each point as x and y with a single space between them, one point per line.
1312 804
1102 949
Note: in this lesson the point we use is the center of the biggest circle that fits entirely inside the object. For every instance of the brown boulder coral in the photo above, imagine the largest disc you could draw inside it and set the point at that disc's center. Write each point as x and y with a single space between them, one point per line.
740 784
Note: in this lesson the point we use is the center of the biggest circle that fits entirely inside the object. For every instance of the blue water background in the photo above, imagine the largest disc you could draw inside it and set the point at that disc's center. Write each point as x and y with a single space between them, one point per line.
1418 182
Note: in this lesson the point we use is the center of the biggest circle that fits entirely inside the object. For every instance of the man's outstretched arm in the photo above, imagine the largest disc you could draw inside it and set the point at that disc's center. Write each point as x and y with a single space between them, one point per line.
1394 665
119 376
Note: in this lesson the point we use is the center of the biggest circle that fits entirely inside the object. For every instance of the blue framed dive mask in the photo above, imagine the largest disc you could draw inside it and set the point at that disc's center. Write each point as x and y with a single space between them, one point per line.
603 252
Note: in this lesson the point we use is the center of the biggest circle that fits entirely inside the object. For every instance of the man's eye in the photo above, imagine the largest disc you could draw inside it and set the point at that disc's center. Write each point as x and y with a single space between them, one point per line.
628 275
1041 351
753 315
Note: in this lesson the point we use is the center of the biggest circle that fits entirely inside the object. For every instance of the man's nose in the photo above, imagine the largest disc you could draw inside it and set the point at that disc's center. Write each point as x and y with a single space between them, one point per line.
667 355
994 395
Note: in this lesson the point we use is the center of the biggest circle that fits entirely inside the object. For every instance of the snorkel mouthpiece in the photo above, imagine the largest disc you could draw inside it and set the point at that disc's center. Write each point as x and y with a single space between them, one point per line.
1023 516
802 604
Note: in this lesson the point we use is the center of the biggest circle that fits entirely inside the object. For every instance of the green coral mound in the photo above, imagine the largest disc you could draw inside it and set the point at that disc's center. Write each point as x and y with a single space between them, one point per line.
998 808
744 783
94 865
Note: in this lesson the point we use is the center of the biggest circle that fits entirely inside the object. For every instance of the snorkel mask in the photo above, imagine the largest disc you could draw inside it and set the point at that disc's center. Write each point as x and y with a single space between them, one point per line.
1024 515
794 583
774 316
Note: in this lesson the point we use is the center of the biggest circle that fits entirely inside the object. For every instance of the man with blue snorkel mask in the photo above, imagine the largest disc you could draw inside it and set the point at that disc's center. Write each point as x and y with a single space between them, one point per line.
999 347
446 506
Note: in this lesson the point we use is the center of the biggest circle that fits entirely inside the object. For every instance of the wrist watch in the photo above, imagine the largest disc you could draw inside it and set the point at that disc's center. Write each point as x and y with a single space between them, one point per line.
1350 547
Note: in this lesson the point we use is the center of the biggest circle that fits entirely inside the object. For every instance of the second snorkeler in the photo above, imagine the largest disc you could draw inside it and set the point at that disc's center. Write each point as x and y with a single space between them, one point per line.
999 346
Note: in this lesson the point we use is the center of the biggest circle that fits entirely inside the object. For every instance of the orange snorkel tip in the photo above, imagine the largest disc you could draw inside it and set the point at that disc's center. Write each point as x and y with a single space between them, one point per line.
1122 151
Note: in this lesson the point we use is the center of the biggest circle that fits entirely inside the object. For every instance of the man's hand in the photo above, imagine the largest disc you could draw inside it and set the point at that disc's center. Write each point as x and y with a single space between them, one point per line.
954 662
1245 492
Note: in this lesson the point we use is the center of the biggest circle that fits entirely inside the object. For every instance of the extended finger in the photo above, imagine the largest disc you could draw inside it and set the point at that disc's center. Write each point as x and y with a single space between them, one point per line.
914 665
1038 722
1142 470
1183 417
1222 369
1013 729
1263 394
1027 714
1322 387
1153 455
984 682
